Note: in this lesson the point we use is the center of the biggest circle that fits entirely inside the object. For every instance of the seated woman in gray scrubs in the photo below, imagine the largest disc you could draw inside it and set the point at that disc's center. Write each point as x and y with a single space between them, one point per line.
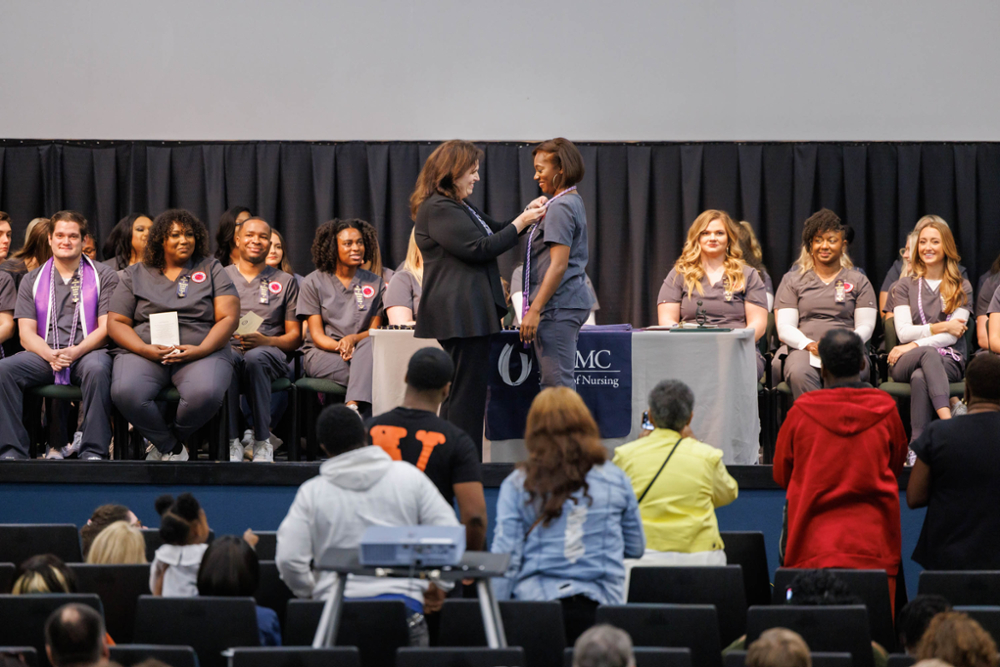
823 291
341 302
931 310
710 276
402 296
176 276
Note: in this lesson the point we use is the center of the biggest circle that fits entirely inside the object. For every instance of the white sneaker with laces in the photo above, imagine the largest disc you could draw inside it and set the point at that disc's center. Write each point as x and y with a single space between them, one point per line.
247 439
263 451
53 455
183 456
235 451
154 454
74 447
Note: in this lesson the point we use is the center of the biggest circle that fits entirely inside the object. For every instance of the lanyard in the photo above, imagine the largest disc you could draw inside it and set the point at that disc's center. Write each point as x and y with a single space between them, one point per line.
486 228
265 293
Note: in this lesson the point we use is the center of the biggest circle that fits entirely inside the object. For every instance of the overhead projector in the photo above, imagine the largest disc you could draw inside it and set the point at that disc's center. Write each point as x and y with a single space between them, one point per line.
412 546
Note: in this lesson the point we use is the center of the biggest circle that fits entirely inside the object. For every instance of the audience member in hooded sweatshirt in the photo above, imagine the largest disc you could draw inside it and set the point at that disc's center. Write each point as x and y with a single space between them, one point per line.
838 454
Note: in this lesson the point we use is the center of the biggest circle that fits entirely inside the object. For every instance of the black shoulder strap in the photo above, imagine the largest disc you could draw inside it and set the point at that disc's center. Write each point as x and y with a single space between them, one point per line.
665 462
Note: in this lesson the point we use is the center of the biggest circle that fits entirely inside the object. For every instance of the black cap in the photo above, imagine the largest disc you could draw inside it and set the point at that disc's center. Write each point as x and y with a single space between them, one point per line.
429 369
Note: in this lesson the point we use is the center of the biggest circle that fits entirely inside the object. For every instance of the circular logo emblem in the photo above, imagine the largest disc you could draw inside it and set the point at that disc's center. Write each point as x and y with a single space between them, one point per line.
368 291
848 287
275 287
199 276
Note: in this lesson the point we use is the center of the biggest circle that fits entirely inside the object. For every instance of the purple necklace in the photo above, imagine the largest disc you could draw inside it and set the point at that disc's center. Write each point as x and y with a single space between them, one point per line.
526 278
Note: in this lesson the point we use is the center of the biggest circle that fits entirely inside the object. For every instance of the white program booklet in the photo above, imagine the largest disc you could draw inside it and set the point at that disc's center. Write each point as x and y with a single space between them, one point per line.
814 360
249 323
164 329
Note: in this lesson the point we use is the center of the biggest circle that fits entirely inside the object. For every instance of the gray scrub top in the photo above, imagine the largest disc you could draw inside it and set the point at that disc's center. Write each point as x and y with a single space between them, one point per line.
143 291
25 308
720 311
345 311
279 289
818 304
565 223
517 285
8 295
985 302
403 290
905 293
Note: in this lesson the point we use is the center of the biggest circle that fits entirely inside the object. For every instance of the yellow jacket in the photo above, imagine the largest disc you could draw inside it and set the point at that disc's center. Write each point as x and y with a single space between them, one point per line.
678 513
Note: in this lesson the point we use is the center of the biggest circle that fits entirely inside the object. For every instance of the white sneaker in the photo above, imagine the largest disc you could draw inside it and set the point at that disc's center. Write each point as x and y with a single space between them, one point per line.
74 447
247 440
154 454
235 451
54 455
276 441
263 451
183 456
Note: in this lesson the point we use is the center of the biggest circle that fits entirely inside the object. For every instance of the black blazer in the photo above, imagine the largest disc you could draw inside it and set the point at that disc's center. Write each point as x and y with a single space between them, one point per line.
462 295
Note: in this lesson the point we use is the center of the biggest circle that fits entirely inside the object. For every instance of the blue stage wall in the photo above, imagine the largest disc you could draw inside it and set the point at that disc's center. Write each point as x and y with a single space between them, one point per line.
233 509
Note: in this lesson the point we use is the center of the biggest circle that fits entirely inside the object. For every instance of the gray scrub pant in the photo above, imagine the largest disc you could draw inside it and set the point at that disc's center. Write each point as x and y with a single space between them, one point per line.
802 377
253 373
929 375
555 345
202 385
356 374
91 372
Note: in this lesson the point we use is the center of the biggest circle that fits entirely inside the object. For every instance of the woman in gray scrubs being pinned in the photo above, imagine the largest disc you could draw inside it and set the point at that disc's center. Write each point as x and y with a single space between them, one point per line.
341 302
177 278
711 279
822 292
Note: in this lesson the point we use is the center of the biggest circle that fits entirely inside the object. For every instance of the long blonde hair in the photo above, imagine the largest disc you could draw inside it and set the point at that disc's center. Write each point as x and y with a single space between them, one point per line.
118 544
689 266
951 285
414 260
910 249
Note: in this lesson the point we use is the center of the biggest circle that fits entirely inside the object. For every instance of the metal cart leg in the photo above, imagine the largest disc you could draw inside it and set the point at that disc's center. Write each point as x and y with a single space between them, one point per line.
492 621
329 622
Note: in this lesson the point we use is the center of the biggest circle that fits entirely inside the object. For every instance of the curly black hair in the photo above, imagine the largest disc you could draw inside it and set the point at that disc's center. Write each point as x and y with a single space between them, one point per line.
225 238
161 228
821 222
325 254
373 253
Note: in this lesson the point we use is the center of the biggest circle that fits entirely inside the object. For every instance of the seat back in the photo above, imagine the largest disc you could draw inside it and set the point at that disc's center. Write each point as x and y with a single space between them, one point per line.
119 587
376 627
127 655
460 657
7 573
267 544
968 587
900 660
891 339
26 654
154 541
872 586
272 591
988 617
646 656
719 586
739 659
209 625
537 627
834 628
296 656
747 549
19 542
669 625
22 618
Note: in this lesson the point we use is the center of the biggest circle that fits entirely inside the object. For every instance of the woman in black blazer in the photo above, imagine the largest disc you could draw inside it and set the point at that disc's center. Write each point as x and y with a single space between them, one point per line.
463 299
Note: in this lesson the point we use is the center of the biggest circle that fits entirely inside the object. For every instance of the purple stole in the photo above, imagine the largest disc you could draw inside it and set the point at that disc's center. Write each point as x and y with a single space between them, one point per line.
90 288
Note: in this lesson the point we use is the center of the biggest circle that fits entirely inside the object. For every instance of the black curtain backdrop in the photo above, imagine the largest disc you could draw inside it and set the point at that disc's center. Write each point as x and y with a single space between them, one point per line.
640 198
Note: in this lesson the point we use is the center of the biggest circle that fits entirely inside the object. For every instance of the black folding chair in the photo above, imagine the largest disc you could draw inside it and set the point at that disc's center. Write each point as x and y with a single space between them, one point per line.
719 586
747 549
646 656
376 627
537 627
460 657
119 587
209 625
19 542
7 573
834 628
965 587
273 593
988 617
128 655
872 586
900 660
26 654
23 617
267 544
693 626
296 656
739 659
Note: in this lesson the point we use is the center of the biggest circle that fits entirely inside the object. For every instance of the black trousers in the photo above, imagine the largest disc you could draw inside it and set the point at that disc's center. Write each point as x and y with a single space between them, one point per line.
465 406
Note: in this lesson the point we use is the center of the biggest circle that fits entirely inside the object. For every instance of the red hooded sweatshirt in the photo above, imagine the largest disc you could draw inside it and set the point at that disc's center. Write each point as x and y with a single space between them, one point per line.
838 454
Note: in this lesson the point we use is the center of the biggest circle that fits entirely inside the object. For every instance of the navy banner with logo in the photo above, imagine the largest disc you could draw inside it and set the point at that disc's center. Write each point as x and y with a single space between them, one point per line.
603 380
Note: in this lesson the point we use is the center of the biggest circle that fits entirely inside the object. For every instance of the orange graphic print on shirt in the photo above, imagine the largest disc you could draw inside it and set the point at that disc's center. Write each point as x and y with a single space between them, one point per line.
389 437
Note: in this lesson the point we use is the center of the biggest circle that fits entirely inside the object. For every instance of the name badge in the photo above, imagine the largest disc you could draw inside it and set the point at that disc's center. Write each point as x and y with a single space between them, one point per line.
840 291
359 297
182 287
74 287
265 293
727 294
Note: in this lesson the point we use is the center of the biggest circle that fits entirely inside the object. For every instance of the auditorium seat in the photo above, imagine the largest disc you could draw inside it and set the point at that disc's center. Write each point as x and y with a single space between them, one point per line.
7 573
128 655
900 660
267 544
25 653
833 628
376 627
747 549
21 541
296 656
460 657
988 617
306 395
537 627
273 593
22 617
209 625
119 587
670 625
872 586
646 656
739 659
965 587
718 586
154 541
901 390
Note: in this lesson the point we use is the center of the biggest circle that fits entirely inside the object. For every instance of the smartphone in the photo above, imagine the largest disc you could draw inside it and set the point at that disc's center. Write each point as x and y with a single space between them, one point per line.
646 424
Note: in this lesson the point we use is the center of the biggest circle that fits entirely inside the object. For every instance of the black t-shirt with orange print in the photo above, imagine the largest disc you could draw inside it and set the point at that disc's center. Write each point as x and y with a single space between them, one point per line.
441 450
